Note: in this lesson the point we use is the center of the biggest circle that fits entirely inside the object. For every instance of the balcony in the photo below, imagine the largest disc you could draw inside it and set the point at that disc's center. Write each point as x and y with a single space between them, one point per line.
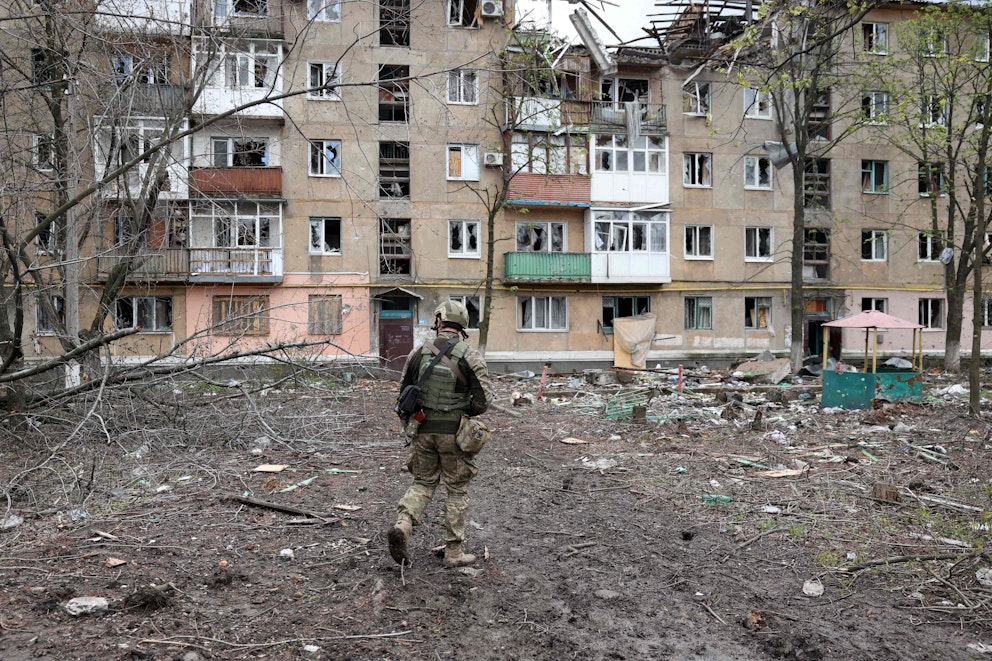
265 181
157 264
203 265
235 264
554 190
548 267
148 100
610 117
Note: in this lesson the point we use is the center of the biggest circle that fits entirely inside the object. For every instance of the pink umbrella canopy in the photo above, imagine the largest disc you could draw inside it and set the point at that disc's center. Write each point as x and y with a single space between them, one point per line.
871 319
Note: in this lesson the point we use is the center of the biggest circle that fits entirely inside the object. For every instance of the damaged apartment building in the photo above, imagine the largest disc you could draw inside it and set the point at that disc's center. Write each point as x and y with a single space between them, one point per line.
334 170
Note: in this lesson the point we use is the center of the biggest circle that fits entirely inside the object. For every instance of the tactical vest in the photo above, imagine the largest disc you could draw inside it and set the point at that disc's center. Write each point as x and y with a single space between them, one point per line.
438 392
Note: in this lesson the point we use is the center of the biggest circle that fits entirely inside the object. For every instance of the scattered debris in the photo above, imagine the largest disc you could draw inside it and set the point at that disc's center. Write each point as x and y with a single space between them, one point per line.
87 606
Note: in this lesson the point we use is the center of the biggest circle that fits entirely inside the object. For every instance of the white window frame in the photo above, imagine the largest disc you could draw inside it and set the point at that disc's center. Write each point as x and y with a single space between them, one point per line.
753 167
647 154
228 152
42 324
878 33
319 164
151 305
875 107
324 10
931 313
469 161
933 42
638 232
240 65
44 141
929 246
552 231
323 79
874 303
757 104
318 235
697 170
933 110
695 238
759 244
878 241
469 302
462 231
457 8
463 87
546 306
697 305
983 48
697 98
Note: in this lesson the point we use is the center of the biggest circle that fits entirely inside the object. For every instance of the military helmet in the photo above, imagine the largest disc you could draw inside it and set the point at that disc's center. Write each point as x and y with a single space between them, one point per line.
452 312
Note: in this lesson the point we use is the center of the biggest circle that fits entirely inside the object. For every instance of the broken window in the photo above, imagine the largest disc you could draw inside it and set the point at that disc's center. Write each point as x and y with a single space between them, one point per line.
324 10
697 170
255 67
875 38
933 110
474 306
875 107
758 244
44 152
931 179
463 86
932 312
696 98
463 162
394 94
540 237
757 104
820 115
699 241
622 90
757 311
544 153
874 176
394 22
929 246
758 172
240 152
986 310
463 238
698 313
152 313
816 254
623 306
48 322
394 169
325 236
878 304
816 184
630 231
394 246
324 80
462 13
325 158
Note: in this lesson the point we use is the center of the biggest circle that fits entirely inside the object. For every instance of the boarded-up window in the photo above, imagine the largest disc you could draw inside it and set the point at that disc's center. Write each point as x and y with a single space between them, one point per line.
241 315
324 317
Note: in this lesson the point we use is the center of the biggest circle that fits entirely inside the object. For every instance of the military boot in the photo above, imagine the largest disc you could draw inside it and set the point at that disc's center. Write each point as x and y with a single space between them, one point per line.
398 536
455 557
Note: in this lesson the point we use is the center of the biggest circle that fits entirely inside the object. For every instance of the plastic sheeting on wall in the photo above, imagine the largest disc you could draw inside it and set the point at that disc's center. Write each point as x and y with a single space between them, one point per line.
632 337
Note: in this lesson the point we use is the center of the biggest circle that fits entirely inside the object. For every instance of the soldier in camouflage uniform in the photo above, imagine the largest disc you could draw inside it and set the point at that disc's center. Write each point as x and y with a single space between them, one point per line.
445 397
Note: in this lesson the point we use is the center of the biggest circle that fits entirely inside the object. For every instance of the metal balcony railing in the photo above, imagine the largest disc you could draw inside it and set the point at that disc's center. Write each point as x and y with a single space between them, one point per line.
547 267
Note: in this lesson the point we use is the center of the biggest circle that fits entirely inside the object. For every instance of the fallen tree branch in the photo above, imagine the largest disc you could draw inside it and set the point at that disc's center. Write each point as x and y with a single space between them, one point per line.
282 508
752 540
897 559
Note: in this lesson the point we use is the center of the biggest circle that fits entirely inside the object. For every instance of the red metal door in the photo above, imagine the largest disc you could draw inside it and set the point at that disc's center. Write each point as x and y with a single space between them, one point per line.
395 342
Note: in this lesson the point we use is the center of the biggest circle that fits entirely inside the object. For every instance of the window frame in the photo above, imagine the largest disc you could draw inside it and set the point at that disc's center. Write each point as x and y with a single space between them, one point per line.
462 13
329 89
647 156
875 37
460 81
240 66
468 162
927 173
753 242
752 167
464 236
874 243
816 183
933 111
320 226
318 157
874 303
702 173
757 104
152 303
231 152
42 324
553 230
755 304
929 246
630 232
693 309
870 174
875 107
44 142
931 313
318 10
549 312
638 305
693 242
697 98
986 310
394 170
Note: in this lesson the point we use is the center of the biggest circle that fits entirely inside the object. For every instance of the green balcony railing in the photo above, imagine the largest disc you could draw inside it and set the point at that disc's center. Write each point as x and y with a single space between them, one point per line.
548 267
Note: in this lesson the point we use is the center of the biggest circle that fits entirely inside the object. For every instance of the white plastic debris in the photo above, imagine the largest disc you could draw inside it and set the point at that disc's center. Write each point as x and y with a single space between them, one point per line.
312 649
10 521
984 576
813 588
86 606
286 554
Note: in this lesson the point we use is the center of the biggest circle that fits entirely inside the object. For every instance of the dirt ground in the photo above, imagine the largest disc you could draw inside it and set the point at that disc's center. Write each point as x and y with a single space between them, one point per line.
732 523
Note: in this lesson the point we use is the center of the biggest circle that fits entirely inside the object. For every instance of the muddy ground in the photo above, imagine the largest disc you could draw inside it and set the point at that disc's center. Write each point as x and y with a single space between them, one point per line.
733 523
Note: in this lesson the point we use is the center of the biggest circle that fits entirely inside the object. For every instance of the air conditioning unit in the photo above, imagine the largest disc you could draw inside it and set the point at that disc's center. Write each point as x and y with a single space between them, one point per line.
492 159
492 8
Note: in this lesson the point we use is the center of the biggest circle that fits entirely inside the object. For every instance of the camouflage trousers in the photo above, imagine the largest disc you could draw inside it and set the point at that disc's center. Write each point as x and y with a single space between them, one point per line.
433 458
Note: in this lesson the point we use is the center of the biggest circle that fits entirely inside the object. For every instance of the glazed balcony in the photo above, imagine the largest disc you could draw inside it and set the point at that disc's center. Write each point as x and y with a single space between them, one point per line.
539 113
549 190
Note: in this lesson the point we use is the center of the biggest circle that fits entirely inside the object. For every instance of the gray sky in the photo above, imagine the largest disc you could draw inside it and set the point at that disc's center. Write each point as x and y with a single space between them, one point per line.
626 18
